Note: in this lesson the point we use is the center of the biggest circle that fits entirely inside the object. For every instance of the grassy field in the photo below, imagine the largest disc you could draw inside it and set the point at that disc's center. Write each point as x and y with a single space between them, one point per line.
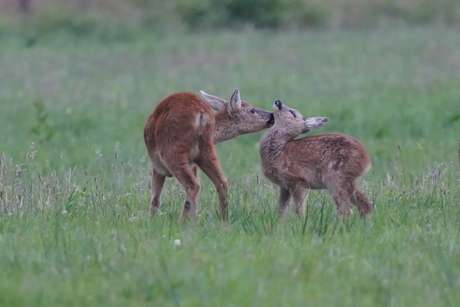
74 175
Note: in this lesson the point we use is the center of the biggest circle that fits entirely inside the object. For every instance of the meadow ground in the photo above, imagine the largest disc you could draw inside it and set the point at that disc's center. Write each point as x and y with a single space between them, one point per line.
74 175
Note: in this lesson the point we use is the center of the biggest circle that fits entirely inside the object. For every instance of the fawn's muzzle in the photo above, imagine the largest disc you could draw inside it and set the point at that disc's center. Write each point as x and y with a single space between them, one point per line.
278 104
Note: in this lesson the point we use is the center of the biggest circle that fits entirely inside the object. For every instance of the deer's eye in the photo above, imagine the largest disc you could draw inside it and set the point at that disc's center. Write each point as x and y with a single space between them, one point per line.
253 111
293 113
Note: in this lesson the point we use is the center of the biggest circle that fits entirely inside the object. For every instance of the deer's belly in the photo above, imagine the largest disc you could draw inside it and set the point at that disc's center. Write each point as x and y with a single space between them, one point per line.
194 152
159 166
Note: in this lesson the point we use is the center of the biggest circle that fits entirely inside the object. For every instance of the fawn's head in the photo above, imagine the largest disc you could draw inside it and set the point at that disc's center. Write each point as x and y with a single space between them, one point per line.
243 117
291 123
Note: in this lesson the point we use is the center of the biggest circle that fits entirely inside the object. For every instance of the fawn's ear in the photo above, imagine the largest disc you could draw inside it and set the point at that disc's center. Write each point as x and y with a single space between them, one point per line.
313 123
216 103
235 101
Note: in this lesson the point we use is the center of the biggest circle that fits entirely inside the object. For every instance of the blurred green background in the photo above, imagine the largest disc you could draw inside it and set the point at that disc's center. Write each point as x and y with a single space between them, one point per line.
123 18
85 74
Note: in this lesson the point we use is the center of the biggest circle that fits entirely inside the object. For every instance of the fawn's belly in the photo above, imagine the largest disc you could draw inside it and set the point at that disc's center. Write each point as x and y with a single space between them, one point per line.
284 178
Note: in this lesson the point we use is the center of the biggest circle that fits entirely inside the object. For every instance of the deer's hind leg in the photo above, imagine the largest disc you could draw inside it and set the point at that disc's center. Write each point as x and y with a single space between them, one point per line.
180 168
363 204
158 181
209 164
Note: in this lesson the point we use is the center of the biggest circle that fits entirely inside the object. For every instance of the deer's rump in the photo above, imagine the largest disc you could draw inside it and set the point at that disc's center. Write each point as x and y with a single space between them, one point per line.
180 124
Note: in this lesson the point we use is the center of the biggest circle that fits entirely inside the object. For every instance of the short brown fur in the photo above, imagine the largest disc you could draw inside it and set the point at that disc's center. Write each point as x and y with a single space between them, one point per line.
180 135
329 161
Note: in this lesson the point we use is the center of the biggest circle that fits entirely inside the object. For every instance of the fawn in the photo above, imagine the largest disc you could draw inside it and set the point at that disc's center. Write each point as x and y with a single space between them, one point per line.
329 161
180 135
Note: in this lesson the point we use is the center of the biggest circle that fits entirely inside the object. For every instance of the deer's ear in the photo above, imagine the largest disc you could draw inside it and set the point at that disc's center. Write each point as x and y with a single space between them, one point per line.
235 101
216 103
313 123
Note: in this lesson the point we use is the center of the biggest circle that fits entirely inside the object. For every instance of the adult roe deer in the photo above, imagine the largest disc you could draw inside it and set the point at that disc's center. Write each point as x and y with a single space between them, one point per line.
180 135
329 161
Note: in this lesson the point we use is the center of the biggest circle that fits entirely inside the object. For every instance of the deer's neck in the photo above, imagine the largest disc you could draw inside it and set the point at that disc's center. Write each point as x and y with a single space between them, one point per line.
225 128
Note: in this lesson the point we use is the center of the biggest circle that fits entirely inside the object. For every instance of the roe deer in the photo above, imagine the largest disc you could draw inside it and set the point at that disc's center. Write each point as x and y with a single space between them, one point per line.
329 161
180 135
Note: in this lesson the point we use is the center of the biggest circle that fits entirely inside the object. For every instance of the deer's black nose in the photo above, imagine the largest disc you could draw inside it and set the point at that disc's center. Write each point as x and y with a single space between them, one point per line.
271 121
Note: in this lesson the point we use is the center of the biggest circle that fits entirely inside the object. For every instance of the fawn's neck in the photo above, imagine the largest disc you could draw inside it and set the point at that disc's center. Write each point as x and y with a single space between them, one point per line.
271 145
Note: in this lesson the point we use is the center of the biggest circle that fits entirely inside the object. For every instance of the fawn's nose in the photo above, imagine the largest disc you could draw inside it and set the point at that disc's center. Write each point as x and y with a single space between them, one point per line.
278 104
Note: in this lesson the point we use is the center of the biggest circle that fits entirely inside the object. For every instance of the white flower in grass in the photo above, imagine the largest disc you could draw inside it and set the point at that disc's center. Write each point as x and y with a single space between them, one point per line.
132 218
177 242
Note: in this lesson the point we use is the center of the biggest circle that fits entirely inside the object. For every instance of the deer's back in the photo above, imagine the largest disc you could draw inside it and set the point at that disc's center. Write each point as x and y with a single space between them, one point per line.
178 122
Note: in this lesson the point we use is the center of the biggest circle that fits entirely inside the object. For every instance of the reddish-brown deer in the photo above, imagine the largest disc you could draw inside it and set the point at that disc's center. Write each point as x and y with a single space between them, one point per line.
329 161
180 135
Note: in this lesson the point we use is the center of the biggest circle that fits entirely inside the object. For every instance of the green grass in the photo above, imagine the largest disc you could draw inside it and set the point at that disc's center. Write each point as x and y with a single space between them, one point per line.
74 175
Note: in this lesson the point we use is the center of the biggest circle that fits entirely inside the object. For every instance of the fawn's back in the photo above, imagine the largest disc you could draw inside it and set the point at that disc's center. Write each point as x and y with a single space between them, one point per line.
320 159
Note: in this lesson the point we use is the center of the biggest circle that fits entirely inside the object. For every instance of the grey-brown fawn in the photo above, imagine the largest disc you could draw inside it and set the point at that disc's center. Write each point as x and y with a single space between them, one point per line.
329 161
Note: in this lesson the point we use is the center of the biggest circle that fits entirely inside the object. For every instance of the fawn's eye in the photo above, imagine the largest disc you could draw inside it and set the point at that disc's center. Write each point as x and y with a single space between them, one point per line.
253 111
293 113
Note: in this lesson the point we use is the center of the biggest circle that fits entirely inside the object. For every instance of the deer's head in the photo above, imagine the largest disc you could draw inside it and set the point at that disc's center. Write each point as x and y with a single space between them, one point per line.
241 116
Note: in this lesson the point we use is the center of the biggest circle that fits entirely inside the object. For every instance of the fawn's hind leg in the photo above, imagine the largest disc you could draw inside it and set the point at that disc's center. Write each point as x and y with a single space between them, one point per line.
299 197
285 196
359 200
341 199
